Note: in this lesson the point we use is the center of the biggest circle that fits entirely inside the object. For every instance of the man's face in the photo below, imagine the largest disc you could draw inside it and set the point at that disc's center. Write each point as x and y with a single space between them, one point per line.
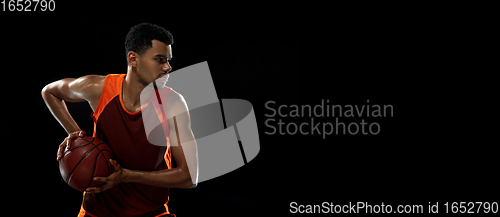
153 64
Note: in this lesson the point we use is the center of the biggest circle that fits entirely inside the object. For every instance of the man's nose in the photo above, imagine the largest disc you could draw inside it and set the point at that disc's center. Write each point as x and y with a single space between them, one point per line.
167 68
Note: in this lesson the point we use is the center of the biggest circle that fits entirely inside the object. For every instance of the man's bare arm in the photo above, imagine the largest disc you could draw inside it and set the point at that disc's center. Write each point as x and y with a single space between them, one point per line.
86 88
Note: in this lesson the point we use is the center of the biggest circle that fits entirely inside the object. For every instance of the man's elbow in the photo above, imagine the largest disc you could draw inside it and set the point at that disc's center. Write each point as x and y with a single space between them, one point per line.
44 91
190 182
47 91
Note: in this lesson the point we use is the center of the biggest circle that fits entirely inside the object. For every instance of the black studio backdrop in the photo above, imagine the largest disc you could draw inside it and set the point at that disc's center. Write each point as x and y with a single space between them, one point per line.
243 56
426 152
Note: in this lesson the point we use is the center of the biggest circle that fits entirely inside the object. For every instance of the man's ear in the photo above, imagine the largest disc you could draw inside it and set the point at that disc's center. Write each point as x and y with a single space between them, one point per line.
132 58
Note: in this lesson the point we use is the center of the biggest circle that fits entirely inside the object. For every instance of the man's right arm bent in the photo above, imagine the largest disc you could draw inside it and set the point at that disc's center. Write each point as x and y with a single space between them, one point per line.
87 88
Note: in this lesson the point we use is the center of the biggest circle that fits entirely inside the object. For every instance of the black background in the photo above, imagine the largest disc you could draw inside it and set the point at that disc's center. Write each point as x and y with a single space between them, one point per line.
435 148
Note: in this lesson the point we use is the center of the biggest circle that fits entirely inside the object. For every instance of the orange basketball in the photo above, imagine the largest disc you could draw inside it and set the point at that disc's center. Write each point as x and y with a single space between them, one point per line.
86 158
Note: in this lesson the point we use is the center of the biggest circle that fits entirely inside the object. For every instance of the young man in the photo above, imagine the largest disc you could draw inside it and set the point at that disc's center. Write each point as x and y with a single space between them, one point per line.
143 172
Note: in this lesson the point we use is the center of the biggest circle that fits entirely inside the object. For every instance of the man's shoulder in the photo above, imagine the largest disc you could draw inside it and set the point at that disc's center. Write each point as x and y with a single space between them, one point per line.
176 102
95 77
92 80
91 87
174 96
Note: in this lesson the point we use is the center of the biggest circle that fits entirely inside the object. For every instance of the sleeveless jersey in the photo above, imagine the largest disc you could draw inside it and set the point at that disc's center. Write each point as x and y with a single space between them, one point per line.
124 132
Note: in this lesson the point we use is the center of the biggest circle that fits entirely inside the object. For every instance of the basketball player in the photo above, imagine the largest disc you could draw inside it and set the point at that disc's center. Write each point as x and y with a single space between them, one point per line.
139 185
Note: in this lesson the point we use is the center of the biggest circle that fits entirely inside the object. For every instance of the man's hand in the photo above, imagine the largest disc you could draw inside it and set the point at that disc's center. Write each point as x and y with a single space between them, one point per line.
67 142
114 179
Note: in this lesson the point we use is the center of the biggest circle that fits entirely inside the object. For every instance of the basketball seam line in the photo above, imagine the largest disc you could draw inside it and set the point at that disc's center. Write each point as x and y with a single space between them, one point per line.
95 164
95 161
109 169
88 142
77 164
67 152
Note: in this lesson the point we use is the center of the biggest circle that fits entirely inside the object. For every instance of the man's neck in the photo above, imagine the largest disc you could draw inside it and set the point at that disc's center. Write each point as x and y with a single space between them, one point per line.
132 89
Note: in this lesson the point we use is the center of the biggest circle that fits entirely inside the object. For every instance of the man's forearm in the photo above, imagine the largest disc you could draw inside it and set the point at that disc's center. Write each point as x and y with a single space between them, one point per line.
59 110
168 178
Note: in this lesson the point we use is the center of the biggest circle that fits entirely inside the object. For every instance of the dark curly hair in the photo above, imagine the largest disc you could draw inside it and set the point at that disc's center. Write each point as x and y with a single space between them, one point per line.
139 38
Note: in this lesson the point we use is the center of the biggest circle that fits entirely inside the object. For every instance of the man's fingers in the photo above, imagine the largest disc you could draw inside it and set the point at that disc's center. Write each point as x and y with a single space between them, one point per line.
59 155
61 149
77 134
115 164
100 179
98 189
94 190
109 181
66 144
63 142
101 188
73 136
70 138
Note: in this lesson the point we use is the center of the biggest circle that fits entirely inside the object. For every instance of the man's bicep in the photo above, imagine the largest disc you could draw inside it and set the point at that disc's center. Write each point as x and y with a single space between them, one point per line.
182 140
180 129
86 88
61 90
184 148
179 120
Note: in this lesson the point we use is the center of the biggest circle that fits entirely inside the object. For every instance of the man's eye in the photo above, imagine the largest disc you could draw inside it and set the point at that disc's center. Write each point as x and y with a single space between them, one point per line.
163 60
